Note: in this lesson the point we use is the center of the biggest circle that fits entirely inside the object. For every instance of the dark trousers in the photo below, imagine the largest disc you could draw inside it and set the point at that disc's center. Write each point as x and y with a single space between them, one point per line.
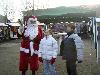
71 67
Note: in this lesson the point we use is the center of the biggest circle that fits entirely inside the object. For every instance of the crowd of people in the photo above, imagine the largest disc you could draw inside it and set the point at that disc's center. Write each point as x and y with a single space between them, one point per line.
81 28
37 45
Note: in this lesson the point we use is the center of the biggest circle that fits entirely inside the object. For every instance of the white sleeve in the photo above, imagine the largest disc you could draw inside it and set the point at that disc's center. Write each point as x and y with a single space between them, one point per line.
80 48
20 30
40 49
55 48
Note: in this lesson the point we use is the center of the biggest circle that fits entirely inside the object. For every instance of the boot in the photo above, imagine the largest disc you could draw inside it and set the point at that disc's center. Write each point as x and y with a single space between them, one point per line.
23 72
33 72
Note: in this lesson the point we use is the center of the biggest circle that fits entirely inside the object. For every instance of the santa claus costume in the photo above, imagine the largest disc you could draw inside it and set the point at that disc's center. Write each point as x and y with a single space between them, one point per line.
31 37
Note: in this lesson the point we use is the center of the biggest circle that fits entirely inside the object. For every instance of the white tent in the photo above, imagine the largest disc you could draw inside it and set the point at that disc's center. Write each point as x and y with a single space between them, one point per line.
97 19
13 24
3 24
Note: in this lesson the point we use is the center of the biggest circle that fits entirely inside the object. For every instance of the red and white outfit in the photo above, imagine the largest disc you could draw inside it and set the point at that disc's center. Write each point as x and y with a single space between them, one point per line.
31 37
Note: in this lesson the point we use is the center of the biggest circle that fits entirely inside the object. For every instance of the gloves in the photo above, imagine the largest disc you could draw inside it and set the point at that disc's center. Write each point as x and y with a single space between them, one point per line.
53 60
63 58
40 59
80 61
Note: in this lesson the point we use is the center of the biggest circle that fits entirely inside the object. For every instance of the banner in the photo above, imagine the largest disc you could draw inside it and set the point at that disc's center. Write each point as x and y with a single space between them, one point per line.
95 35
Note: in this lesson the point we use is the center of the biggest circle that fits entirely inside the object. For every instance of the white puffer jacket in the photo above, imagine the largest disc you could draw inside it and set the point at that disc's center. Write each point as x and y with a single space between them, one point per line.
79 46
48 48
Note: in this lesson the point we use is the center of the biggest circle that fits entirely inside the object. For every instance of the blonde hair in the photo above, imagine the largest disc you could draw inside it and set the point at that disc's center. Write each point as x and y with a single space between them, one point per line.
50 31
71 25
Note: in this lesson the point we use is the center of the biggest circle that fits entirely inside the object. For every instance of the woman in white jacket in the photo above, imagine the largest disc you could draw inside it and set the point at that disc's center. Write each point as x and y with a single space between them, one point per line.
48 49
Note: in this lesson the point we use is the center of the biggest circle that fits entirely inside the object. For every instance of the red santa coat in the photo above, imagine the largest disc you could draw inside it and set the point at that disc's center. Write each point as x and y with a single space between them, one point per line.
25 56
25 44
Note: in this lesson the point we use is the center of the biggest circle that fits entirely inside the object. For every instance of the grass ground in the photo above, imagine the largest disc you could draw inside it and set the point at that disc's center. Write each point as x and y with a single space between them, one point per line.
9 56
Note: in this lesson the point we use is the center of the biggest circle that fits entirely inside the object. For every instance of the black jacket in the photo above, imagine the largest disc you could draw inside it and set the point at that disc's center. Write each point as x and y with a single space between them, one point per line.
72 48
68 49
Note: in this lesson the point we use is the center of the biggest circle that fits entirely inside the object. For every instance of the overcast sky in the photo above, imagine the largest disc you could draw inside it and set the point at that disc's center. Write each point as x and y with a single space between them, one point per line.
17 5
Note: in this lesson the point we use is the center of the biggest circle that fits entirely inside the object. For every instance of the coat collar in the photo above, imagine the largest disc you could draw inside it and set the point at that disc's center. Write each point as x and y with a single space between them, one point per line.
48 36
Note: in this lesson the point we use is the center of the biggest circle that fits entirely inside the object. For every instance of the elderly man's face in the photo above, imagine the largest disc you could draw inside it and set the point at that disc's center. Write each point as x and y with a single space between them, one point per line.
32 22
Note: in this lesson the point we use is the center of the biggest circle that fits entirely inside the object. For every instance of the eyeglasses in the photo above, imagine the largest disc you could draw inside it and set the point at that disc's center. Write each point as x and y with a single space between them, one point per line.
33 22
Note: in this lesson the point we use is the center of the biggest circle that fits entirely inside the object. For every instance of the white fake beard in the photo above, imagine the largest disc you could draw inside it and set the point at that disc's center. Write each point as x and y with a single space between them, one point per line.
31 32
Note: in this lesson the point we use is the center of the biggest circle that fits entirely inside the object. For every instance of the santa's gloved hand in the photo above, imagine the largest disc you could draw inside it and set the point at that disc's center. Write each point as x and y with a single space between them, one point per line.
40 59
34 54
80 61
52 60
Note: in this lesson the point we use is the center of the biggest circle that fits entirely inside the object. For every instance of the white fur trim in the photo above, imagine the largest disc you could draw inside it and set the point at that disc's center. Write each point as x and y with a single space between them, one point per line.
27 51
24 49
31 48
34 19
19 32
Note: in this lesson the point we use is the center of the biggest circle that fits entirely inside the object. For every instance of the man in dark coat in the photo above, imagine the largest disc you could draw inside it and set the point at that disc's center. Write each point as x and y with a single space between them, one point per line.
71 50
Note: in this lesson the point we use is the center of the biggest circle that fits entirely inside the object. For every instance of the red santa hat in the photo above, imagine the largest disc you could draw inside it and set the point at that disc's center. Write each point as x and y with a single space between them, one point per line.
34 18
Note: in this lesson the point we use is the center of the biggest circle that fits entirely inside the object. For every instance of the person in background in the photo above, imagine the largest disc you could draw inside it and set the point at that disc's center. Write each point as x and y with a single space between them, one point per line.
71 49
78 29
85 31
48 49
